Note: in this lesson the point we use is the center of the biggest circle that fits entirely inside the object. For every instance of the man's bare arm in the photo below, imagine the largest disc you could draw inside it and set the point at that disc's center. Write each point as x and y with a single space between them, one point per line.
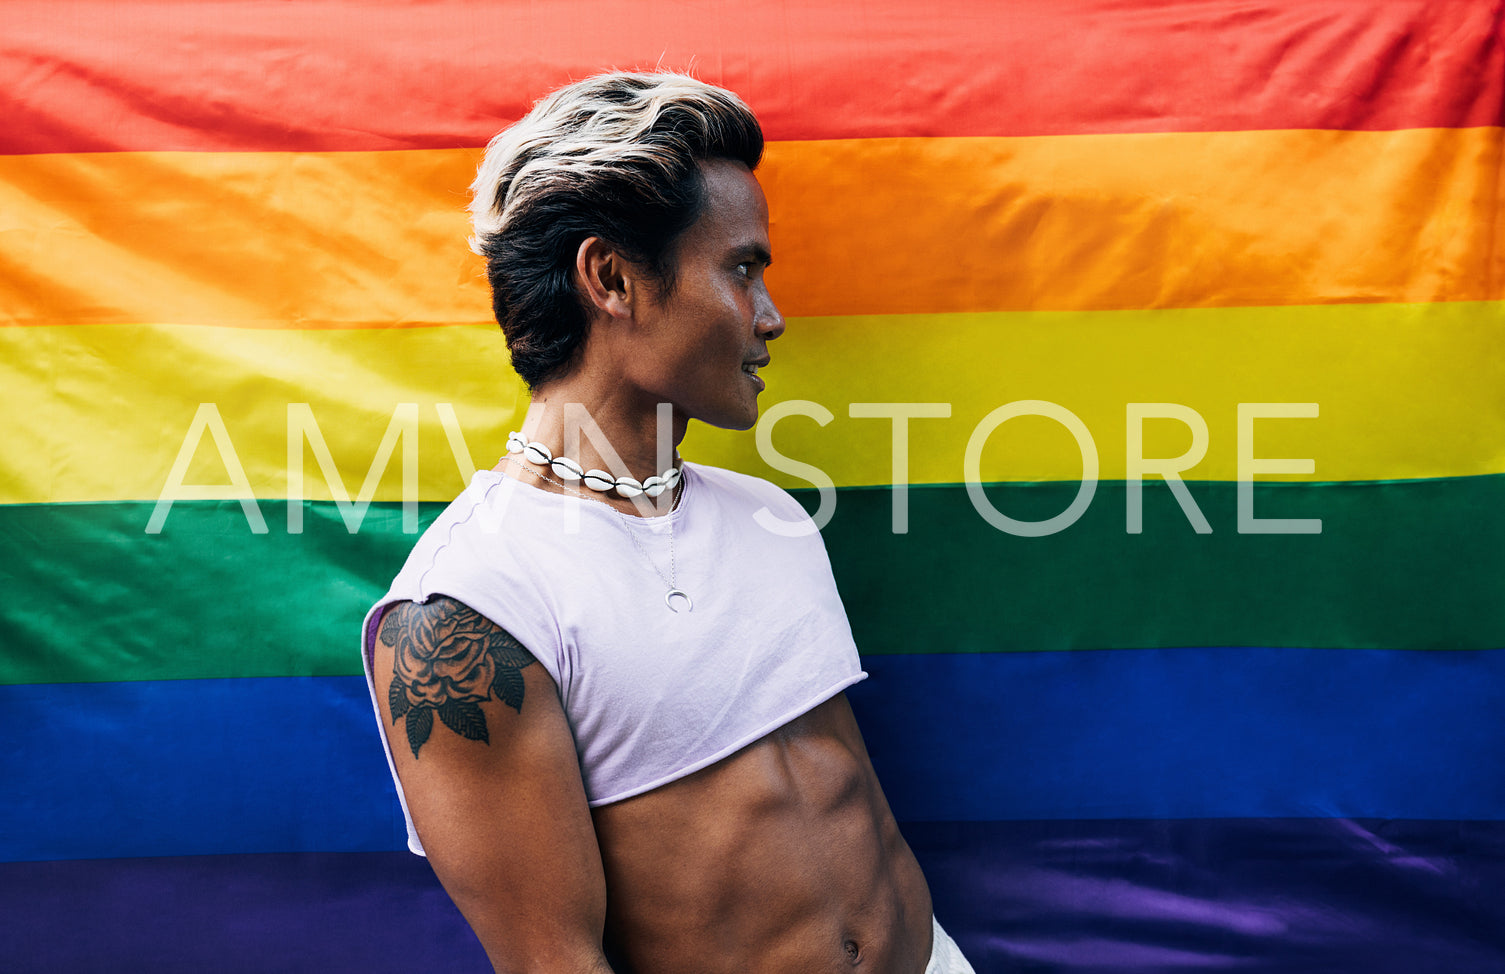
488 765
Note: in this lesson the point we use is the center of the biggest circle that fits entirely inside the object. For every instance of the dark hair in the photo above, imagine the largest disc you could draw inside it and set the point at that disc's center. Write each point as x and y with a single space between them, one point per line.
616 156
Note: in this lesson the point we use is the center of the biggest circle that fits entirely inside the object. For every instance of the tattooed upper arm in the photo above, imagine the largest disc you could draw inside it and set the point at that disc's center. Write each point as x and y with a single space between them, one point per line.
495 794
447 659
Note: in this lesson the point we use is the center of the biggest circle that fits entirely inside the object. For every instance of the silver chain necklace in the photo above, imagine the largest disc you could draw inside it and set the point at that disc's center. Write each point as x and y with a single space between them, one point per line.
671 580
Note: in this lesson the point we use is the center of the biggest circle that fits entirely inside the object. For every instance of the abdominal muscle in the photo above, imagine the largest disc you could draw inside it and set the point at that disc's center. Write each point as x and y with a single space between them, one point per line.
781 859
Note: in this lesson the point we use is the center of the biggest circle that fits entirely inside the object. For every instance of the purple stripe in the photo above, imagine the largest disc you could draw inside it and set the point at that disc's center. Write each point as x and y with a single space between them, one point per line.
1289 895
1267 895
363 913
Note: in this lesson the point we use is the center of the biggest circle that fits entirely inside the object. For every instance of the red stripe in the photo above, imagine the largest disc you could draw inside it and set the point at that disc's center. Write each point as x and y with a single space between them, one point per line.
97 75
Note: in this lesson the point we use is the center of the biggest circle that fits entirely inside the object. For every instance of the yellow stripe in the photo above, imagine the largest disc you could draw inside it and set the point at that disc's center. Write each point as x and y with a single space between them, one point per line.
100 413
1403 391
362 239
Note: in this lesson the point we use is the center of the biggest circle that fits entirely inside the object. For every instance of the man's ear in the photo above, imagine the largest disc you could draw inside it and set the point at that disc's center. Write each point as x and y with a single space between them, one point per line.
608 281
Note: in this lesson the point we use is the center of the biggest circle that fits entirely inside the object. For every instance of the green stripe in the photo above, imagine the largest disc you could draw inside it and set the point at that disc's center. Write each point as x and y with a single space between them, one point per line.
95 598
1402 564
1413 564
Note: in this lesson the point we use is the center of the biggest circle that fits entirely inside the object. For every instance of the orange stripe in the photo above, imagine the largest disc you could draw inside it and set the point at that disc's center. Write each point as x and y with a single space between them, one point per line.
258 240
892 226
1108 222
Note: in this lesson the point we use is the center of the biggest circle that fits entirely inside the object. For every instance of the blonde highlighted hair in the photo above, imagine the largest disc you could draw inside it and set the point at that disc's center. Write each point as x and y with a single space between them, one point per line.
616 156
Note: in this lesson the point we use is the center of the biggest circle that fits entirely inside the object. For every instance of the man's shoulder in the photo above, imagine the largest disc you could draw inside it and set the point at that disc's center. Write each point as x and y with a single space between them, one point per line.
480 553
481 509
746 498
735 483
471 535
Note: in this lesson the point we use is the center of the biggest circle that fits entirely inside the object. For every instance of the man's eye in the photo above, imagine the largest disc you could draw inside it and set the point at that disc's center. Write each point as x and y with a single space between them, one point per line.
745 269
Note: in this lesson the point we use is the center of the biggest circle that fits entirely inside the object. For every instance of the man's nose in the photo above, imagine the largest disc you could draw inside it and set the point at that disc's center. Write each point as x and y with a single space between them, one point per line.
769 323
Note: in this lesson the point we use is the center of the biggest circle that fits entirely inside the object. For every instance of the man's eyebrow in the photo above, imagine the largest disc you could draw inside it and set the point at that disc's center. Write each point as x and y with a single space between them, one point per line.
756 252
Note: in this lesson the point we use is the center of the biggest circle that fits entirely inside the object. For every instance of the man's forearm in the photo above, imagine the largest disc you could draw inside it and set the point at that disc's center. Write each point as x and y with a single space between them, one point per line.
589 963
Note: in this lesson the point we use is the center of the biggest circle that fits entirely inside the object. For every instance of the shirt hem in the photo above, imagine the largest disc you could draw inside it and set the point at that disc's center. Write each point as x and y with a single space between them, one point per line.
733 748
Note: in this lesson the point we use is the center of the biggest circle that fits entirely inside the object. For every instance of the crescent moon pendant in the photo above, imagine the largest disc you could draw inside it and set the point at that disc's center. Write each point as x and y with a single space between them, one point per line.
669 600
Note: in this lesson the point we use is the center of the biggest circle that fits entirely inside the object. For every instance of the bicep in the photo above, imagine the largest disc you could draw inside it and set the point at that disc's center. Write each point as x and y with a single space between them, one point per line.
488 767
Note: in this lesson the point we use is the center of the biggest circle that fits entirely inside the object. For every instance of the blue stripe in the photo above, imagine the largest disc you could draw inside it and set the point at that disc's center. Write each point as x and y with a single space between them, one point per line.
1188 733
283 765
190 767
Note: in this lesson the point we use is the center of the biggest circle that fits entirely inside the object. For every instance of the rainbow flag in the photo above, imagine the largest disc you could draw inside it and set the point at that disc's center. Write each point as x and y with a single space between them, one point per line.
1145 363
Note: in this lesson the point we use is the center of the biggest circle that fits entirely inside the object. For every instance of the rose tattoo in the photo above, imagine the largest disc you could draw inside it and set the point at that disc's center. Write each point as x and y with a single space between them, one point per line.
447 659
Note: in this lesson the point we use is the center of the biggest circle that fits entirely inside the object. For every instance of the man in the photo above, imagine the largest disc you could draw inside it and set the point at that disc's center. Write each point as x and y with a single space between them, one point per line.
678 784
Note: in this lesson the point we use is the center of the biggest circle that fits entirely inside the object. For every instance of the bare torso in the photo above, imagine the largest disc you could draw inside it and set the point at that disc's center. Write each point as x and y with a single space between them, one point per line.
781 859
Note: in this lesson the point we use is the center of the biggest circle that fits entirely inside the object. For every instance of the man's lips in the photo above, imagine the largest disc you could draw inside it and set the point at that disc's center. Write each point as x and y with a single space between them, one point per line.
751 368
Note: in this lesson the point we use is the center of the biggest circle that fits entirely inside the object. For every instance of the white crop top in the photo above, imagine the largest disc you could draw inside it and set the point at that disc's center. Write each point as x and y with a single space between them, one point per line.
651 695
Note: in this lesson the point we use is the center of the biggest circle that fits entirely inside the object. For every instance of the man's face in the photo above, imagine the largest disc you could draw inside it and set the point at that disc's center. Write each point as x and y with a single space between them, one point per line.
701 346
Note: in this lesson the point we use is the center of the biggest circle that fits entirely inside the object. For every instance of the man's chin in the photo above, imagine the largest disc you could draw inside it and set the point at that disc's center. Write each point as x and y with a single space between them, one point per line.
737 422
736 426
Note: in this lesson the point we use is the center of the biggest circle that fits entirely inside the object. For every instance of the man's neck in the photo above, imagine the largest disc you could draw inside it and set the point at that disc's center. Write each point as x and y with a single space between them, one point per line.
601 429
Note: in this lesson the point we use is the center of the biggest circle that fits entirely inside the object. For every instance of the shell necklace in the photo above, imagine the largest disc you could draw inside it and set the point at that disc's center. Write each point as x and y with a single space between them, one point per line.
597 480
652 487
